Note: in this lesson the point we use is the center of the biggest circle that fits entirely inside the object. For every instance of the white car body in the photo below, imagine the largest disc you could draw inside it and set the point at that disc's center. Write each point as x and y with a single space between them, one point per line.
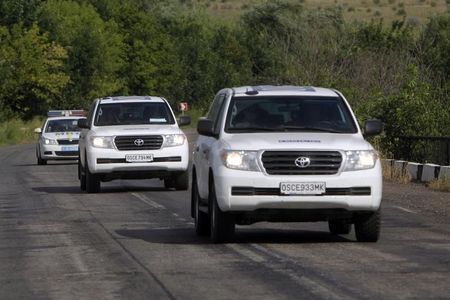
225 179
111 163
60 145
252 196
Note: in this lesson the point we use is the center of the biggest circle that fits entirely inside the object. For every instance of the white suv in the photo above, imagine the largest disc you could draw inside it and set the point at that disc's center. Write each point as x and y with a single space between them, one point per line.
134 137
285 153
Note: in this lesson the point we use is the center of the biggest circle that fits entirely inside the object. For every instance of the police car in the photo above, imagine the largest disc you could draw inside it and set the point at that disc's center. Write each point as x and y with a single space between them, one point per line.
58 137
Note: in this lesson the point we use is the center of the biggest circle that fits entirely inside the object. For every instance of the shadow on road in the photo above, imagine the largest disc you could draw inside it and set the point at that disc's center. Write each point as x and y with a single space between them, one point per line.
58 189
242 236
52 163
105 190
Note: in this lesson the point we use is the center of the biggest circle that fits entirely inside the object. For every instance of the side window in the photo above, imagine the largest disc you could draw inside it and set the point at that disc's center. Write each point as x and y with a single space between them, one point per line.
214 111
91 113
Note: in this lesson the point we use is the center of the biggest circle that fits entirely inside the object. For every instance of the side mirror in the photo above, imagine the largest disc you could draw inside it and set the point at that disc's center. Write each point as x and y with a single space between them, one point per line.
205 127
38 130
372 127
184 120
83 123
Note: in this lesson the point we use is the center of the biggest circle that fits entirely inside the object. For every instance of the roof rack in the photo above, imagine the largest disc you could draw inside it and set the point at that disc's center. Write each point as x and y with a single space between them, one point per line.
130 98
252 91
66 113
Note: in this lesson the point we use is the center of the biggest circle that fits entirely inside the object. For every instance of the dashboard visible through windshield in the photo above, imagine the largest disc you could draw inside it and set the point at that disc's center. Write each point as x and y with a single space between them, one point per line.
136 113
294 113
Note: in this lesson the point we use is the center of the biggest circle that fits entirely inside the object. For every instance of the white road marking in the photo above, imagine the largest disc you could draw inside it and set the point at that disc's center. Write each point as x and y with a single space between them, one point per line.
314 287
147 201
153 204
405 209
246 252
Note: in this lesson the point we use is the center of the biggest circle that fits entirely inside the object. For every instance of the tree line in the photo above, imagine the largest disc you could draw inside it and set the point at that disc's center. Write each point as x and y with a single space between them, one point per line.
63 54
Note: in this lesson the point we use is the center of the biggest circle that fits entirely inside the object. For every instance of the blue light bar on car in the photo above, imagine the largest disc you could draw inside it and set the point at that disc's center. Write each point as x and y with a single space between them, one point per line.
66 113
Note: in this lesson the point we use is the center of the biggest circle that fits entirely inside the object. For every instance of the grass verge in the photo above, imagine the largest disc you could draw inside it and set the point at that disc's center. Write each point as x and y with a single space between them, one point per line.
16 131
396 175
441 184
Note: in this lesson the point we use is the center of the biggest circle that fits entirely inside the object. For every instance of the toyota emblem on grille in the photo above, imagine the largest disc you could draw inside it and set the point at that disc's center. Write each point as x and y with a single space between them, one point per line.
302 162
139 142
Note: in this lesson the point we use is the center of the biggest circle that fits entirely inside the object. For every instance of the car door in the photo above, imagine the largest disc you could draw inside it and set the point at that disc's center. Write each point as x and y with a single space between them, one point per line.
204 144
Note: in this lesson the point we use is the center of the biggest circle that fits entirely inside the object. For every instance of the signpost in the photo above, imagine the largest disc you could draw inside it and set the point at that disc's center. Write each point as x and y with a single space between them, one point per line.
183 106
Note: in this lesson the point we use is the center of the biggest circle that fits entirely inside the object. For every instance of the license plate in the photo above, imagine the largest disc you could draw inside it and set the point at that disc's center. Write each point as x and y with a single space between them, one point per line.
302 188
69 148
139 157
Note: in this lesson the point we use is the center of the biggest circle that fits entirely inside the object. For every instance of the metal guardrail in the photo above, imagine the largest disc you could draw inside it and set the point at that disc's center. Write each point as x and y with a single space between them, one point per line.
424 149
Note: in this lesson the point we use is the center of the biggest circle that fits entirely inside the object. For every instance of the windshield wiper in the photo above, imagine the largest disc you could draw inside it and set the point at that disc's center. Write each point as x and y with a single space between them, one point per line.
309 128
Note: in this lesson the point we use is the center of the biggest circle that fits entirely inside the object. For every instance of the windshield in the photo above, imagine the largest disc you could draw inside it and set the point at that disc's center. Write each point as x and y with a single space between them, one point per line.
62 125
280 113
135 113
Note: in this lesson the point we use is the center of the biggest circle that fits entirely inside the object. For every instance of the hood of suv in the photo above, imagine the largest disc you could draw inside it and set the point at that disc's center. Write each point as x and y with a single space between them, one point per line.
296 140
136 130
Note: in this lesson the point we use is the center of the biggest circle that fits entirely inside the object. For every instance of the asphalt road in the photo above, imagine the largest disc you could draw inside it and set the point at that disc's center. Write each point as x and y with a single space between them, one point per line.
136 240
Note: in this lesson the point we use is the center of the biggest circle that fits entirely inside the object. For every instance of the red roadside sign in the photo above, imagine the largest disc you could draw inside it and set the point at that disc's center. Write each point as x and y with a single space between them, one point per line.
183 106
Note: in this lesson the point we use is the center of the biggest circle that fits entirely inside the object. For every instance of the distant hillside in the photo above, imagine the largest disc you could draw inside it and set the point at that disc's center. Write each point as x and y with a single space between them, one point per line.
415 11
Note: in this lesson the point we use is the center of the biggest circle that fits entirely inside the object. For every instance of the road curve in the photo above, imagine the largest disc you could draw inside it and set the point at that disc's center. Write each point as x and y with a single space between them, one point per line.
135 240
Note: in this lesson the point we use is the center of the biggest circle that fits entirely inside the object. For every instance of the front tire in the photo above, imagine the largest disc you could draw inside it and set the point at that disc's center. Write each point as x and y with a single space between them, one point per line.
181 181
40 161
92 181
367 227
81 176
202 222
339 227
168 183
222 224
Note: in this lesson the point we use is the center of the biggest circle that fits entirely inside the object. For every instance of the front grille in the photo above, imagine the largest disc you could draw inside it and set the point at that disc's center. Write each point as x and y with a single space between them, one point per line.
151 142
260 191
68 142
66 153
283 162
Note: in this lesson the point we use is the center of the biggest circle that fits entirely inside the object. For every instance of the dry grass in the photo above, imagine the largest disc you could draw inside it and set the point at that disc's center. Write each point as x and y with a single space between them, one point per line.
442 184
414 11
396 175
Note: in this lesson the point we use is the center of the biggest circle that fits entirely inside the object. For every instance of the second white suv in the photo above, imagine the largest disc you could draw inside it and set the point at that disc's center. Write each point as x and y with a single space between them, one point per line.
285 153
133 137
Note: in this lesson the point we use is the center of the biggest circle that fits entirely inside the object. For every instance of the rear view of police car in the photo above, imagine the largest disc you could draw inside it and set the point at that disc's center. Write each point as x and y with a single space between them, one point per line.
133 137
58 137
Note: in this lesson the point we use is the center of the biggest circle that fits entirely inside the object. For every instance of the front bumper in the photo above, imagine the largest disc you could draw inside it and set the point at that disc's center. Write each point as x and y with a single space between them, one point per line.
106 161
58 152
249 191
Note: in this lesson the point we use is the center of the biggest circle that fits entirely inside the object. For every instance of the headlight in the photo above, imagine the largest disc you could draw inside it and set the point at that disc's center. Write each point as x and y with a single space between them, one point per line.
241 160
360 160
50 142
102 141
171 140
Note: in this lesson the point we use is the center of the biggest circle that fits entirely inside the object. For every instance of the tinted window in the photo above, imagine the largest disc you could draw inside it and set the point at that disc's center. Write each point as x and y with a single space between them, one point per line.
215 110
62 125
328 114
91 113
135 113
